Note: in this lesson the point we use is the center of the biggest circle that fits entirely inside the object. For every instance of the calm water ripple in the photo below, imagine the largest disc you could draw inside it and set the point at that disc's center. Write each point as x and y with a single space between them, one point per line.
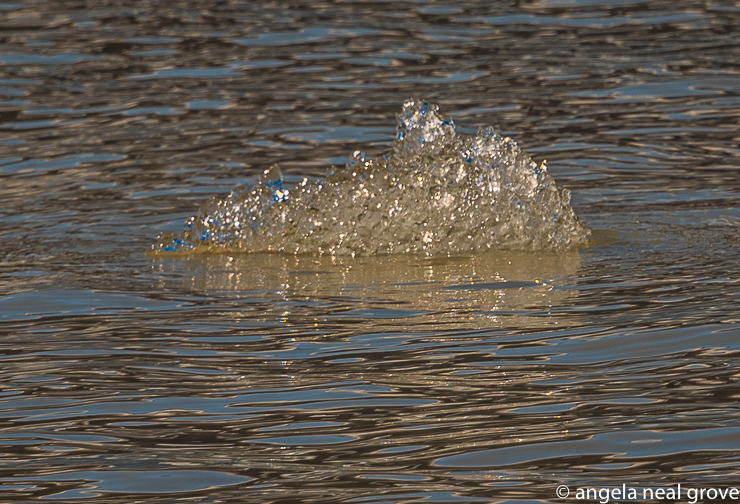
267 378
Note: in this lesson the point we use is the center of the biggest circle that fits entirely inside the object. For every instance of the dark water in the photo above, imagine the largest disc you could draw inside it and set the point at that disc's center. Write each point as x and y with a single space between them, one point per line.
489 378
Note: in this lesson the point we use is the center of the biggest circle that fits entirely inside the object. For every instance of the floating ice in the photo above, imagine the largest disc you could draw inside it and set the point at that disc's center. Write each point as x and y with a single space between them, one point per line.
436 192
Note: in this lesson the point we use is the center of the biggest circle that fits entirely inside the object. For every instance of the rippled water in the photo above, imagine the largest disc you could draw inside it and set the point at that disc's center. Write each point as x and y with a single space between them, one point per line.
267 378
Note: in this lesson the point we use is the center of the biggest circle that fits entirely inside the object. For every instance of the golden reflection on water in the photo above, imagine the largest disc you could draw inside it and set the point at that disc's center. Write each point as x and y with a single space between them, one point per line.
126 378
476 291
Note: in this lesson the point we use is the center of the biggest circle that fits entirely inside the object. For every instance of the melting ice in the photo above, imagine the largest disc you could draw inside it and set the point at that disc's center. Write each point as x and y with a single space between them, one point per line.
436 192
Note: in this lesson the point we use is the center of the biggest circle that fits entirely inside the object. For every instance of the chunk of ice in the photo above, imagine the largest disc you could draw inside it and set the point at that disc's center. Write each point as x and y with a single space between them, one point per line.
436 192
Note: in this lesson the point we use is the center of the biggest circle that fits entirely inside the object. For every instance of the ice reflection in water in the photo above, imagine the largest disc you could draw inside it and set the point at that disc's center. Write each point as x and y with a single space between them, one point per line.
464 292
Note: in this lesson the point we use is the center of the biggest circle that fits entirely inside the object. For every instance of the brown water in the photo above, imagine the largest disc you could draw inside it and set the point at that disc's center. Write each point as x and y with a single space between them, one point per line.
267 378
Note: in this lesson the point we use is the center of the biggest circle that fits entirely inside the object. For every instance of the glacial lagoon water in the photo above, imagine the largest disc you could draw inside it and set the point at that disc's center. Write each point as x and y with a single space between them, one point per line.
485 375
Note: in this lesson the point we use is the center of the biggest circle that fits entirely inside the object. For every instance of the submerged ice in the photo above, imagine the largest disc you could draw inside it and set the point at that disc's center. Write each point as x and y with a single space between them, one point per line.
436 192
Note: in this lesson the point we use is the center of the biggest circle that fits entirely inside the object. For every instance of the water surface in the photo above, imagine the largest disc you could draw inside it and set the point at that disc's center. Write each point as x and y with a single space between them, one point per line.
490 377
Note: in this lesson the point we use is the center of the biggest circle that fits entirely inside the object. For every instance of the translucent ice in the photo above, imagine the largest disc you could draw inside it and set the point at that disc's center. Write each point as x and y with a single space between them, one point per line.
436 192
